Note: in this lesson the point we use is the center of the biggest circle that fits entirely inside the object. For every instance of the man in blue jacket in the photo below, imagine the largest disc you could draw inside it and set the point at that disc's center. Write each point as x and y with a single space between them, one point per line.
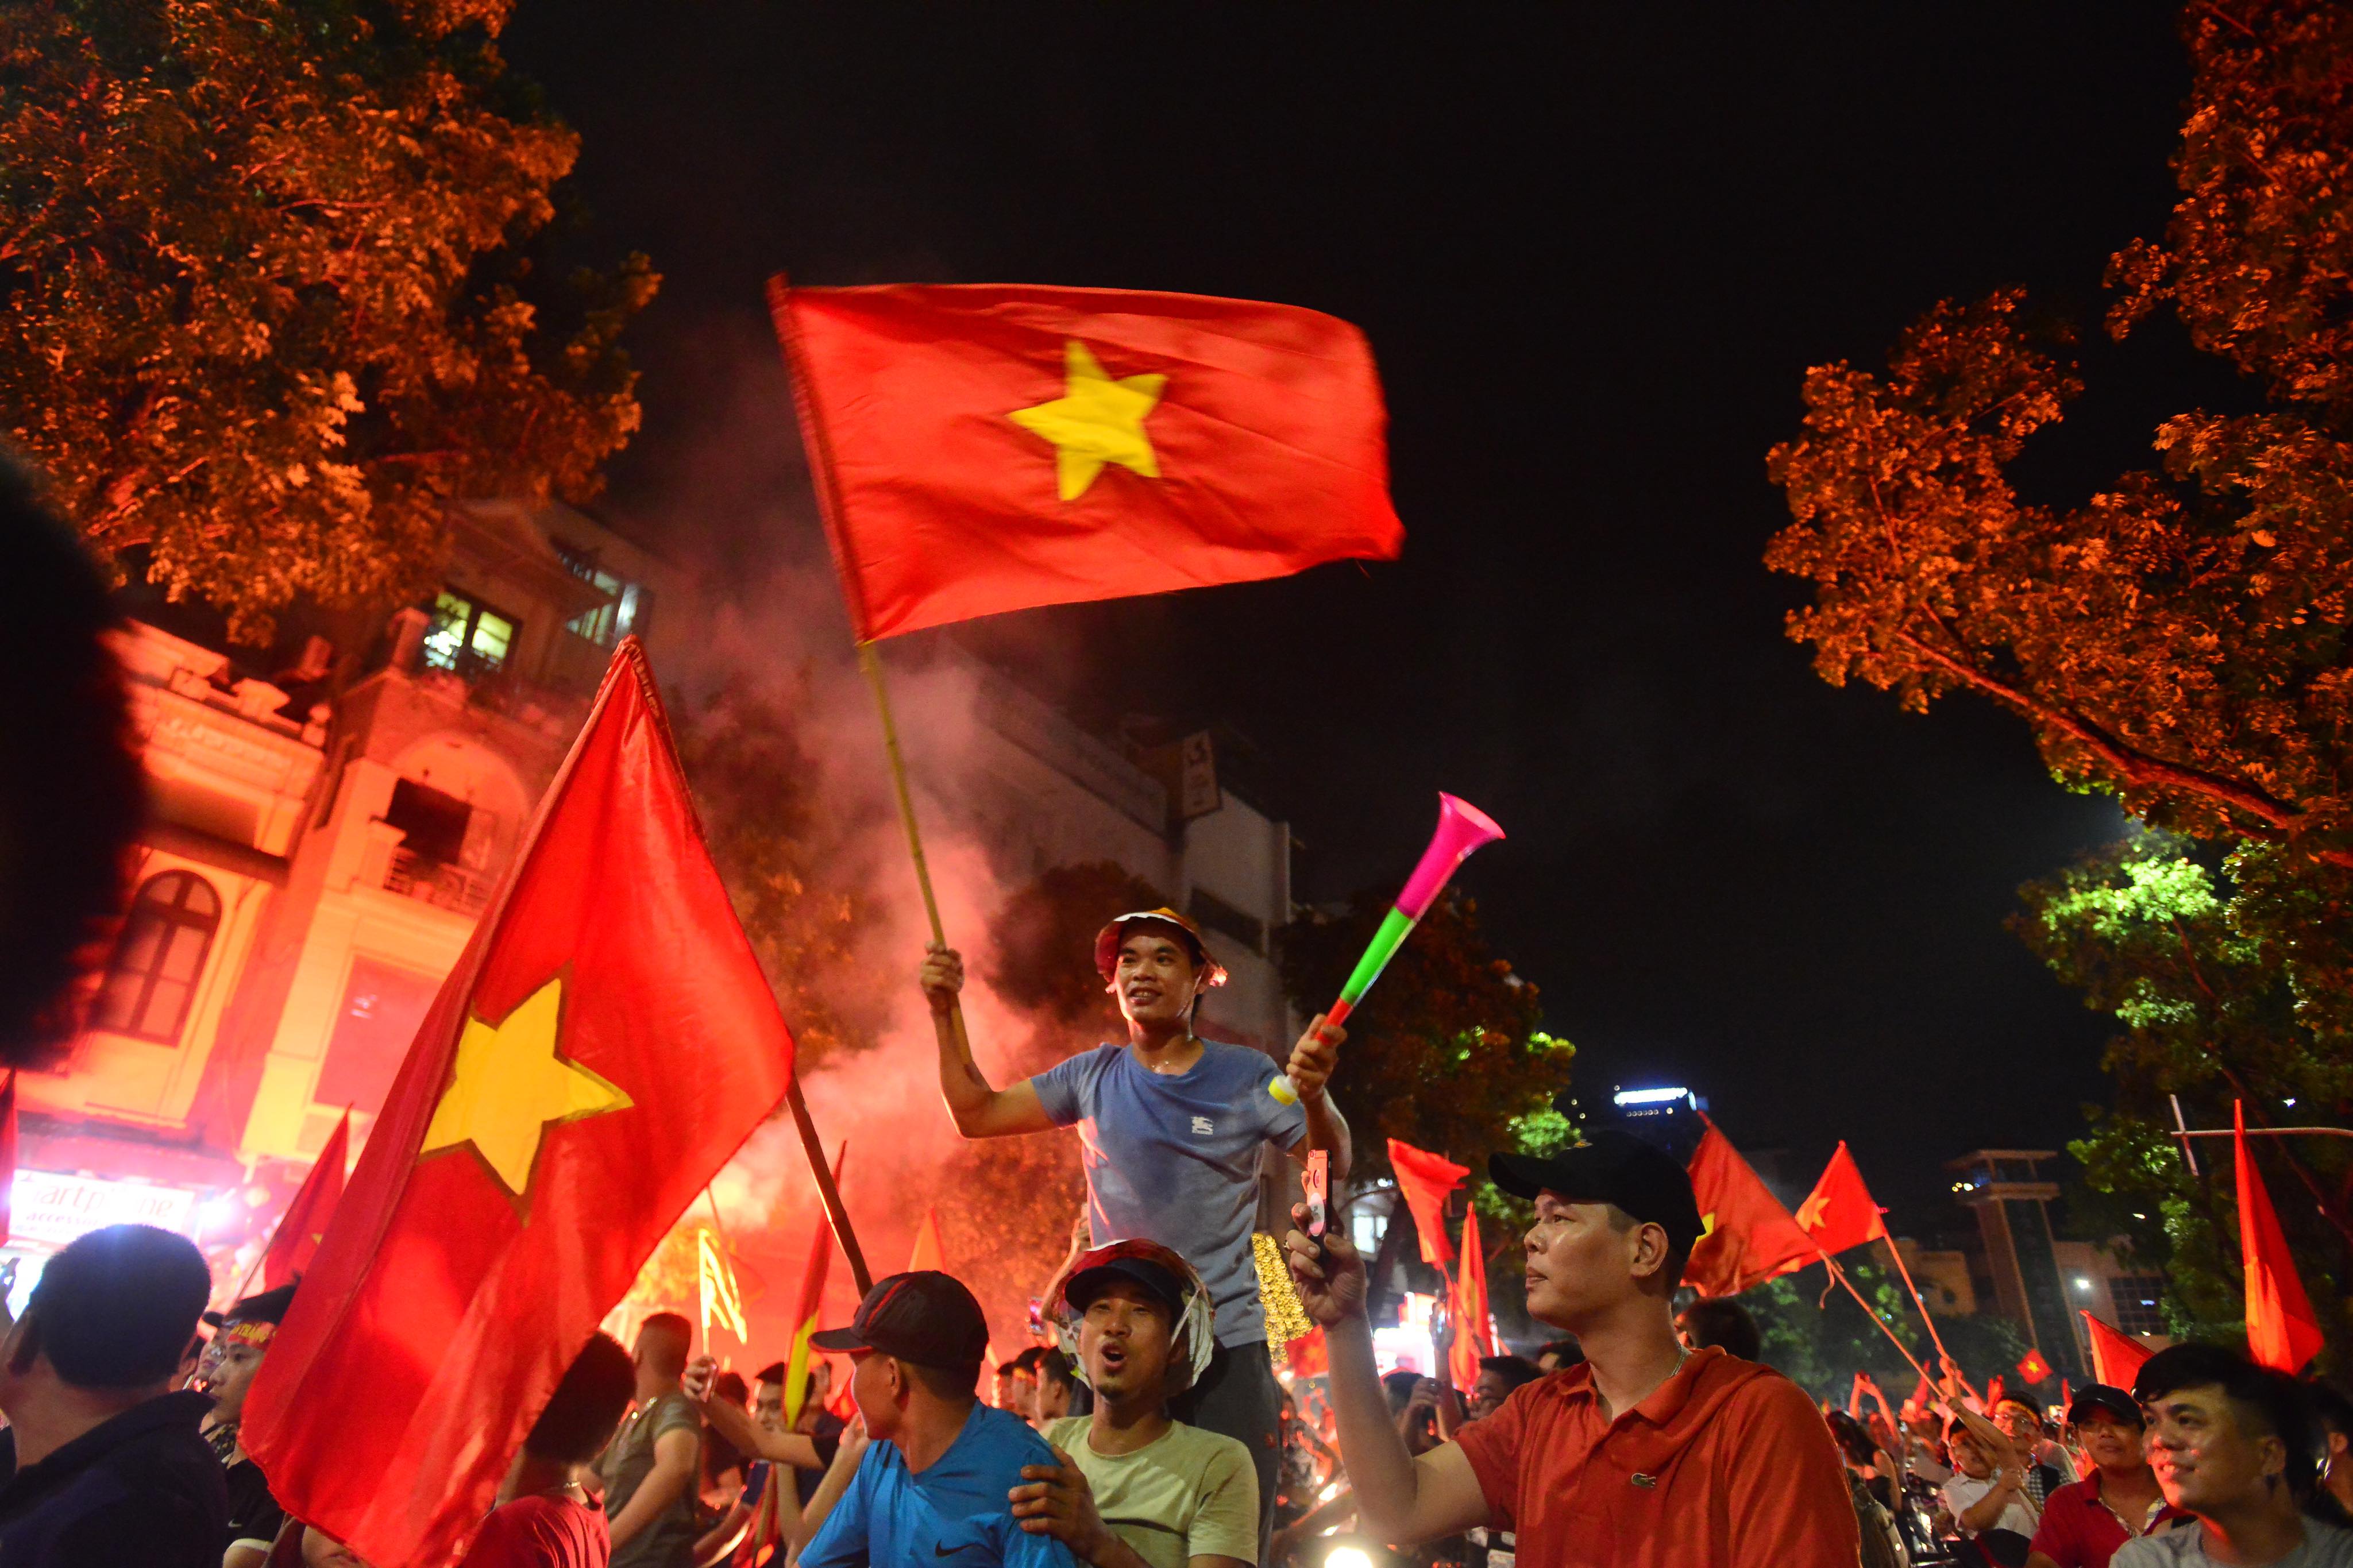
924 1485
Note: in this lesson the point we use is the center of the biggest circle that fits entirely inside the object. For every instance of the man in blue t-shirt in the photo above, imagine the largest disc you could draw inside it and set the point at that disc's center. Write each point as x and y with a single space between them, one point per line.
925 1484
1169 1131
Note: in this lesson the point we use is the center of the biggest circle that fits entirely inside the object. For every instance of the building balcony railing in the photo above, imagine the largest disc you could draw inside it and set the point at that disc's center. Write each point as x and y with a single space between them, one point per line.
437 882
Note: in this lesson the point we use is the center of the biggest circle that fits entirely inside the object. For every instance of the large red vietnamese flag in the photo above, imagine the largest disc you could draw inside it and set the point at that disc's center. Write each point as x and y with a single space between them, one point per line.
1838 1213
2282 1332
604 1045
304 1224
1747 1237
986 447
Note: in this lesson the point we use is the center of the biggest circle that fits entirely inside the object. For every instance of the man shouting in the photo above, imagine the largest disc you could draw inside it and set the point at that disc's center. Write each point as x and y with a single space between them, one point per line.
1171 1126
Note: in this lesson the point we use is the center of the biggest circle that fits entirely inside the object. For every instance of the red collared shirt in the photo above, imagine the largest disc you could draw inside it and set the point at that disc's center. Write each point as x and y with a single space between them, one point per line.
2079 1529
1728 1462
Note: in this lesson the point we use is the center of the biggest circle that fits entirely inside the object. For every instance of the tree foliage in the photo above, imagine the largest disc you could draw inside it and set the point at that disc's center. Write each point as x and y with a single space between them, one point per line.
793 870
2180 638
2228 983
2177 640
1820 1341
266 303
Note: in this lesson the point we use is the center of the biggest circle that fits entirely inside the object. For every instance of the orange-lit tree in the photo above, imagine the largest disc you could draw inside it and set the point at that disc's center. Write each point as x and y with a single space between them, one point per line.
2177 640
266 295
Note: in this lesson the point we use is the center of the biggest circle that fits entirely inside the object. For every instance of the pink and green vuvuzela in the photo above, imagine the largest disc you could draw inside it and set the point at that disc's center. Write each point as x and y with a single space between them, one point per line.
1461 827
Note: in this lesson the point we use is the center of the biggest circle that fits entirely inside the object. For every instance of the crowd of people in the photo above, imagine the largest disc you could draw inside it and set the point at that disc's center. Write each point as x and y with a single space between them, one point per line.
1153 1432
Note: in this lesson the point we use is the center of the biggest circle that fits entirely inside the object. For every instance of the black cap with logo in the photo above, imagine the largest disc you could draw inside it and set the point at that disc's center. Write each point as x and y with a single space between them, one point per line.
1609 1167
925 1317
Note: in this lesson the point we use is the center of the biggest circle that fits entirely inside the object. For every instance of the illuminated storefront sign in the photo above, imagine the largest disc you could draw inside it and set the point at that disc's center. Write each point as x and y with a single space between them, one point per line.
48 1210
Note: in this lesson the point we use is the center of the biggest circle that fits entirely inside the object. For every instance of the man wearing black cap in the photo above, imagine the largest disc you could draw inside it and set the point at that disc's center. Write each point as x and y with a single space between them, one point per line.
929 1489
1171 1127
1132 1487
240 1340
1647 1454
2084 1522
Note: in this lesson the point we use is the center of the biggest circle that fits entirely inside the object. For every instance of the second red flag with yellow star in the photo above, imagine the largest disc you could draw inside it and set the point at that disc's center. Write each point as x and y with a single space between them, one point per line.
604 1043
985 448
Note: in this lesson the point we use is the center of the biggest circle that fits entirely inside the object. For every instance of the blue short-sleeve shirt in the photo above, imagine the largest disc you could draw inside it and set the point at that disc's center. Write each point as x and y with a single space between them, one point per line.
1173 1157
955 1514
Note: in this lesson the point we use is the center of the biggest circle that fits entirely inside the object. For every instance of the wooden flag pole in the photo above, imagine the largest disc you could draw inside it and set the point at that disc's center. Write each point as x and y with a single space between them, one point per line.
829 1191
1934 1337
1905 1350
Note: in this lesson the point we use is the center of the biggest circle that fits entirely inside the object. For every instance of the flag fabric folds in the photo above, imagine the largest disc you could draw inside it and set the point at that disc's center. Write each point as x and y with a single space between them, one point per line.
1838 1213
2282 1332
983 448
927 1253
604 1045
801 1358
2032 1368
1747 1237
1427 1180
2115 1355
1473 1337
300 1229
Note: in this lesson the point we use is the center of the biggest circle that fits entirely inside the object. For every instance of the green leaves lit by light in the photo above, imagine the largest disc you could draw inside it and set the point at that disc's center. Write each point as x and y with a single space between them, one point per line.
2156 892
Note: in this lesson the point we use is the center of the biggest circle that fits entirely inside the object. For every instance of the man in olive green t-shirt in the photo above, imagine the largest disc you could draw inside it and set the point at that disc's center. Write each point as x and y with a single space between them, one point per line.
1134 1488
650 1465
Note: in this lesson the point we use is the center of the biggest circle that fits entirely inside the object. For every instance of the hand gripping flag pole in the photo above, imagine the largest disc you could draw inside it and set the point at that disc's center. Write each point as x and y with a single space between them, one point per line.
1462 829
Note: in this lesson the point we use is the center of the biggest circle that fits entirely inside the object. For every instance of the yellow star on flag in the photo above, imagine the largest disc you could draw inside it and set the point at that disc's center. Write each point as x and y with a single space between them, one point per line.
1096 421
1809 1213
511 1084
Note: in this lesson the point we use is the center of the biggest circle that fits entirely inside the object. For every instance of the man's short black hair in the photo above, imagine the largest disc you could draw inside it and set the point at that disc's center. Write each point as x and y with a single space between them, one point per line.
1724 1323
1516 1371
2330 1408
676 1330
2270 1403
731 1387
587 1408
1028 1360
71 790
1399 1387
772 1373
1568 1353
116 1308
1054 1367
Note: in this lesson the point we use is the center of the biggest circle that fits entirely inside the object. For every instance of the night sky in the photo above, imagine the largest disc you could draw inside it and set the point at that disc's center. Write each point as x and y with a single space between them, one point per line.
1594 257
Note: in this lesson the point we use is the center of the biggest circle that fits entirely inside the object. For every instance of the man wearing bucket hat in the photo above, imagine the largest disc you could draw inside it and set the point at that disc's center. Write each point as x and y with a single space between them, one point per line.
1132 1487
1646 1454
241 1338
924 1485
1172 1125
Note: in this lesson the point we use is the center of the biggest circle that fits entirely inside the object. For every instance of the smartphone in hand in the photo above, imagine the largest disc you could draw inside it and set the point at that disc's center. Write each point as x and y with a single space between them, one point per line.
1317 1183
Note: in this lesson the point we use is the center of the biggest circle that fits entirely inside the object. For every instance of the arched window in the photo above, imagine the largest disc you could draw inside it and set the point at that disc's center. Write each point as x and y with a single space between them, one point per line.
153 976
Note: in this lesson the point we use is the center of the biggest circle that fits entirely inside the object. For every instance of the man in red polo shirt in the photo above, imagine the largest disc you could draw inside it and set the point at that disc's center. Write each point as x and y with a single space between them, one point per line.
2084 1523
1647 1456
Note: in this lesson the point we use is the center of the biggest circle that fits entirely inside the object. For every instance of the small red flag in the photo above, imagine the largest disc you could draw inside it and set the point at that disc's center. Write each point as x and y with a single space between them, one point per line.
2281 1332
2115 1355
1747 1237
296 1240
1472 1337
606 1042
927 1253
798 1360
7 1154
1309 1355
986 447
2032 1367
1427 1180
1838 1213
